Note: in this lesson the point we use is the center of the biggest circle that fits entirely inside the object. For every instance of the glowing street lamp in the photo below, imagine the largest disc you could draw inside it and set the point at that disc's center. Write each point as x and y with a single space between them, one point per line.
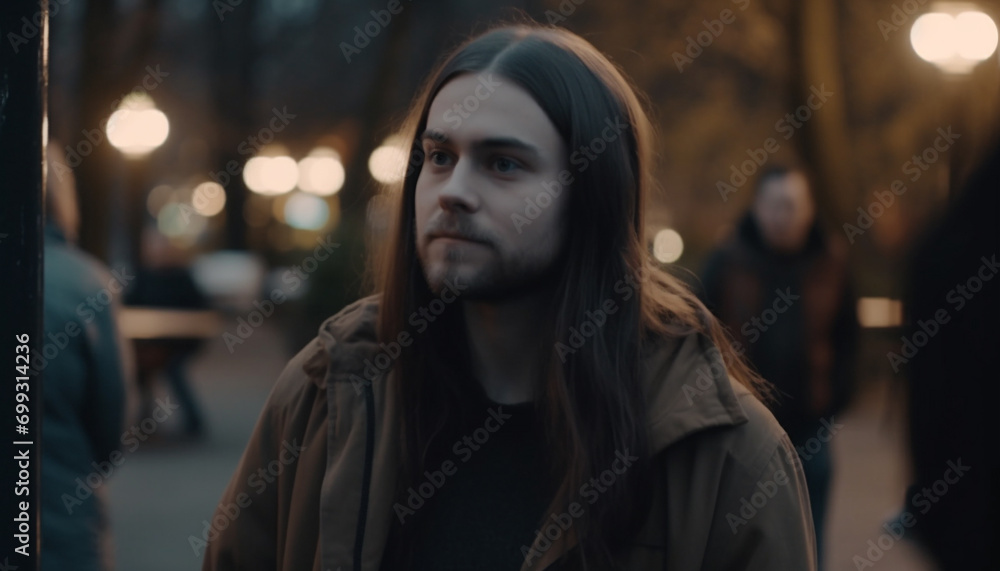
137 127
954 36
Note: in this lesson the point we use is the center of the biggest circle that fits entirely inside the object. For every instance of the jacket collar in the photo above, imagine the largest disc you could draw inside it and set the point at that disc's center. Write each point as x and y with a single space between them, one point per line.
684 378
687 390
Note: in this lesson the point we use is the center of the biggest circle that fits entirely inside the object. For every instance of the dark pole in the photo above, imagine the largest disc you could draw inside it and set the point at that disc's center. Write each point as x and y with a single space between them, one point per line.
235 55
23 82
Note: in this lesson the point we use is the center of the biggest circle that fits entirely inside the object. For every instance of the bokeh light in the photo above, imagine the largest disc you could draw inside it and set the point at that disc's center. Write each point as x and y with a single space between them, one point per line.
306 211
209 198
668 246
956 42
159 197
271 175
933 36
977 35
322 172
137 126
180 220
387 163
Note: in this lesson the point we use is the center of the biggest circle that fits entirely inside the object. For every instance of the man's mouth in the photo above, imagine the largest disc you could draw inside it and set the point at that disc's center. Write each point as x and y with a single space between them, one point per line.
449 237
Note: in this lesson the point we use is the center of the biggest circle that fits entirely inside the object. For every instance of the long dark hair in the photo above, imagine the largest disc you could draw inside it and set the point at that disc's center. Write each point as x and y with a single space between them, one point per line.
592 403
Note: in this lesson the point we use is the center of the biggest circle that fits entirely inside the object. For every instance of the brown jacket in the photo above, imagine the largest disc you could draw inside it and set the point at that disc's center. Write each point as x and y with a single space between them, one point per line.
314 489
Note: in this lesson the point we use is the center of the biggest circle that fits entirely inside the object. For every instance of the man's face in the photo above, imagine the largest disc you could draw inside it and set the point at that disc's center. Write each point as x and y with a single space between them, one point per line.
486 152
784 211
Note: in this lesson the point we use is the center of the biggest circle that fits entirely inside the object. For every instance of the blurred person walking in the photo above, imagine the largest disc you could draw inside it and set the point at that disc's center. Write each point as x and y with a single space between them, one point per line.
782 287
84 388
164 281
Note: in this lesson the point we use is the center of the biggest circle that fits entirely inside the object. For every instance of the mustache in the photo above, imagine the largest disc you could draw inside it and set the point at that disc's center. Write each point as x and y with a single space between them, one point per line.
458 227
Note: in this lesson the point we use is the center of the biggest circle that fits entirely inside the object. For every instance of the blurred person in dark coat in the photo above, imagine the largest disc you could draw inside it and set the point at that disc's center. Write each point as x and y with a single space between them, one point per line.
782 287
953 305
84 388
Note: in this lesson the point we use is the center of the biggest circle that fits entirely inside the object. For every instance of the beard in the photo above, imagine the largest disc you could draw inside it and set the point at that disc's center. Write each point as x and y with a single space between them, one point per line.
494 279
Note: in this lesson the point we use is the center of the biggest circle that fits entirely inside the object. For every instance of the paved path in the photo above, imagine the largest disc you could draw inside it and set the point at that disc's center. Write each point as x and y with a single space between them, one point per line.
162 494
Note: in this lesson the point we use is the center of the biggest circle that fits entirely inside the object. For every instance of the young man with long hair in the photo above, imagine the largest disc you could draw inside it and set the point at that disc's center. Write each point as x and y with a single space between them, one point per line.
526 389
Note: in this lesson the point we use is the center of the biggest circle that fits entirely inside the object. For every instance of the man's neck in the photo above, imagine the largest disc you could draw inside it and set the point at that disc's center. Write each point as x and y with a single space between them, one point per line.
505 339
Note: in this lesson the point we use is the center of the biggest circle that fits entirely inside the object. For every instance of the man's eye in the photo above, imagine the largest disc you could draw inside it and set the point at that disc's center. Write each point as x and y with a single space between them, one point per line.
438 158
505 165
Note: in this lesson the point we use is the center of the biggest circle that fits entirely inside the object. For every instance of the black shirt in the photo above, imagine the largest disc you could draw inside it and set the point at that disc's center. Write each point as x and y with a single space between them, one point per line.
485 494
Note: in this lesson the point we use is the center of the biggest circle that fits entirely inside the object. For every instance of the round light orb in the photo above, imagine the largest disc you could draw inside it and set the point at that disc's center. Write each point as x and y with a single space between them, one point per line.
321 173
306 211
271 175
209 198
933 36
977 35
387 163
137 126
955 42
668 246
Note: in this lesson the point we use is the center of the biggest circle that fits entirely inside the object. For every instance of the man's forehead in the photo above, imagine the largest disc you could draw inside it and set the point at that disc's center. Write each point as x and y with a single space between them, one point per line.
486 111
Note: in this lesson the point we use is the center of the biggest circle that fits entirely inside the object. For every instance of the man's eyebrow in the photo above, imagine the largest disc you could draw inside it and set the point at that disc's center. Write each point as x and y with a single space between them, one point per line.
439 136
436 135
507 143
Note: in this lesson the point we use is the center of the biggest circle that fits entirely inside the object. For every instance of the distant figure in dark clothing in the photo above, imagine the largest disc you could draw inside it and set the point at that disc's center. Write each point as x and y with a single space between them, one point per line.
84 391
782 288
164 282
954 303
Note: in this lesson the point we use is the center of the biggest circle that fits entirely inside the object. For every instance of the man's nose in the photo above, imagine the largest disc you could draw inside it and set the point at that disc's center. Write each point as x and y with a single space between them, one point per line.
459 191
